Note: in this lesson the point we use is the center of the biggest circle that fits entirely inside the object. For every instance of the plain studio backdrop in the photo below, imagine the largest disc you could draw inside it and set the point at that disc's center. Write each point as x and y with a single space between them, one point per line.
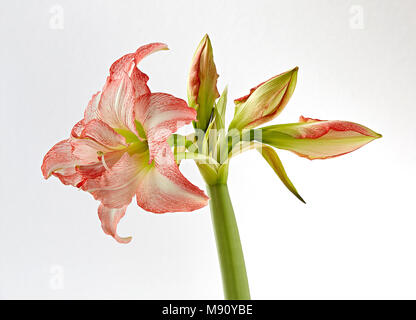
355 237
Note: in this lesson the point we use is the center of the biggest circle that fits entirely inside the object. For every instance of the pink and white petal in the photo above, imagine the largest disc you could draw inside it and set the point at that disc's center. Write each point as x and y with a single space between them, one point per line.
139 80
116 186
91 112
106 162
59 157
77 129
87 151
110 218
327 149
91 171
69 176
161 115
319 139
147 49
328 128
116 107
102 133
141 107
123 65
128 65
127 62
163 188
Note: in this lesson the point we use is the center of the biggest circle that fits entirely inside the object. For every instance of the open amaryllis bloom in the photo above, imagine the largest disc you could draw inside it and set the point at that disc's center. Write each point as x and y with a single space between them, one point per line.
119 149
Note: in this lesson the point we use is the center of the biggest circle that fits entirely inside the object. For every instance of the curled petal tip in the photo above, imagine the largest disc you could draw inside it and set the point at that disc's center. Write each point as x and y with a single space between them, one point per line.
110 218
123 240
164 46
147 49
44 170
58 158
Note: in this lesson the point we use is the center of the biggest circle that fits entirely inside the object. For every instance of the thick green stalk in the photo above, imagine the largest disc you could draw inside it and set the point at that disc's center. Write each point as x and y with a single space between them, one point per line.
230 253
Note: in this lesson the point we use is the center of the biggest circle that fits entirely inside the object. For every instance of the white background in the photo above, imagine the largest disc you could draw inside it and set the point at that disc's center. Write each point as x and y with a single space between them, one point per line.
356 236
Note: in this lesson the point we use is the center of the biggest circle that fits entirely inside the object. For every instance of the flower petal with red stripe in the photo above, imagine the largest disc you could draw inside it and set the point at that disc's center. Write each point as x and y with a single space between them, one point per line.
110 218
318 139
163 188
161 115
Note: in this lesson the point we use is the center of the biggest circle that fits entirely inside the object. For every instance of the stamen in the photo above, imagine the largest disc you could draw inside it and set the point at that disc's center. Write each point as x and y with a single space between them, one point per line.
104 163
101 154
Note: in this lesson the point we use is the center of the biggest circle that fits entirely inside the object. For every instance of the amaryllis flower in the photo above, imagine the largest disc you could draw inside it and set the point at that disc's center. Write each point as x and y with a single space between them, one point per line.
119 149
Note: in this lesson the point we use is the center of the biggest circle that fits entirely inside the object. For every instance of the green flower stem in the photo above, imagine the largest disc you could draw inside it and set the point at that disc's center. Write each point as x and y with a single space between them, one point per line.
230 253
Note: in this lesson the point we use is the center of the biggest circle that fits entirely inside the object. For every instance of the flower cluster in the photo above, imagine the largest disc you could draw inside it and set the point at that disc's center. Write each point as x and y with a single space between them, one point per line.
125 145
309 138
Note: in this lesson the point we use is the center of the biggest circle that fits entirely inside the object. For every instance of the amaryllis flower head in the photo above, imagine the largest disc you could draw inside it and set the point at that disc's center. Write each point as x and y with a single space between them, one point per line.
119 149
